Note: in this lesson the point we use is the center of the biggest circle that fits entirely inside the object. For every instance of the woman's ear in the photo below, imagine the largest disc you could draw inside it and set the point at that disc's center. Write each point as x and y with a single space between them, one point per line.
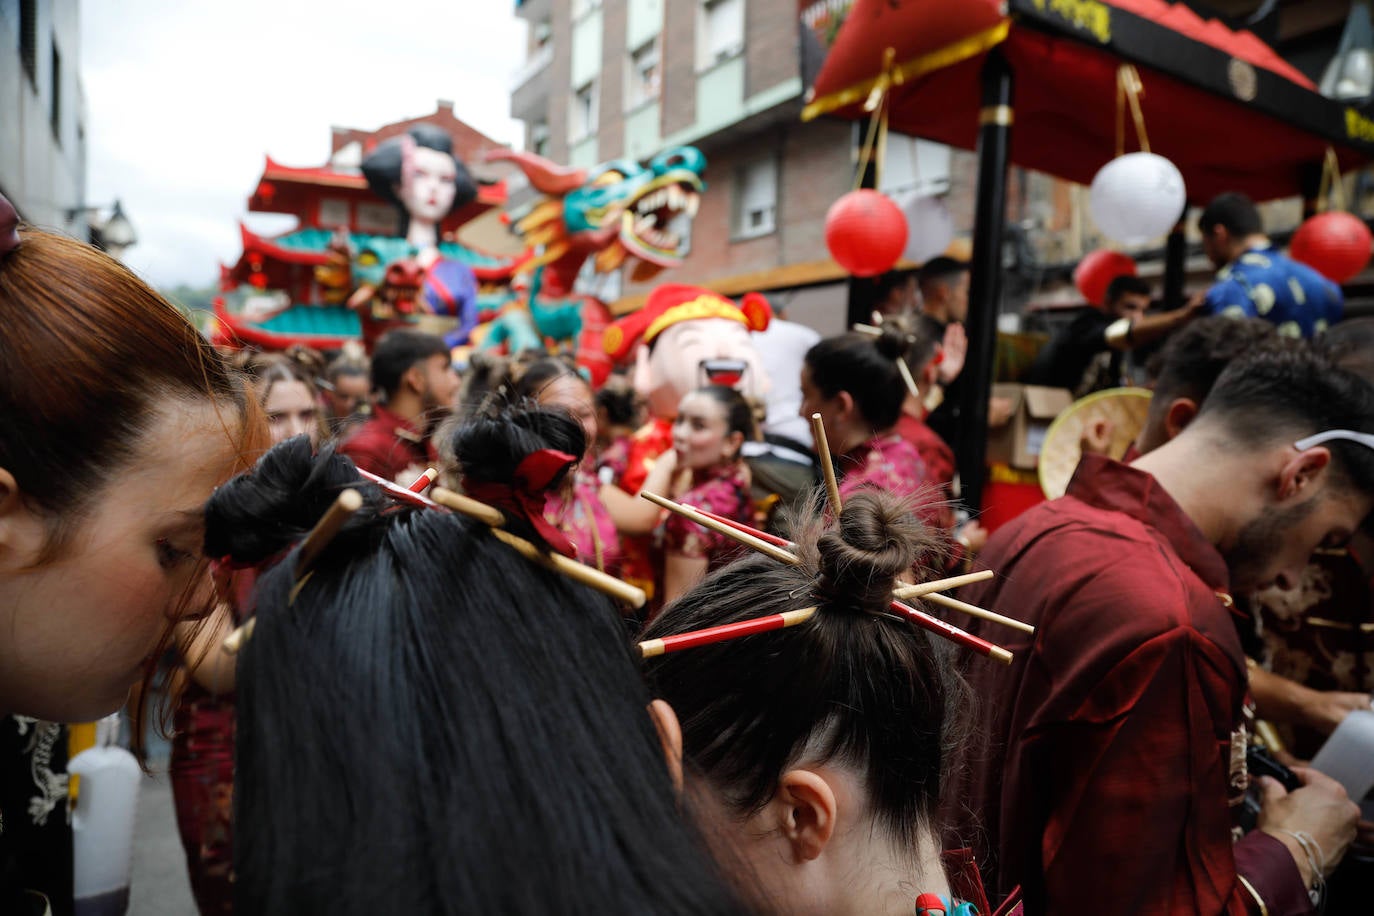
670 734
845 410
805 810
732 444
22 532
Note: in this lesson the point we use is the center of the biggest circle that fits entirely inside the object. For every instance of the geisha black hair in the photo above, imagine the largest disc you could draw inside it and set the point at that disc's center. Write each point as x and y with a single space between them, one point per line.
432 724
382 169
852 685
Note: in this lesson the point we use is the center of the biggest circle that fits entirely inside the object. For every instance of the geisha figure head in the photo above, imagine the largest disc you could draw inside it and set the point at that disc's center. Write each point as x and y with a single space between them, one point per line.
418 172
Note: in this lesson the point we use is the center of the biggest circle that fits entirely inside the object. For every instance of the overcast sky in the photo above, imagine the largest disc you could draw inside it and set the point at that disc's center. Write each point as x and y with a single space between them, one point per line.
184 99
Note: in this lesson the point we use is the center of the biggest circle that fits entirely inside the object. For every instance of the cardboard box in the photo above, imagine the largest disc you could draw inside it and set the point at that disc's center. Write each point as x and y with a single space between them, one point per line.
1033 409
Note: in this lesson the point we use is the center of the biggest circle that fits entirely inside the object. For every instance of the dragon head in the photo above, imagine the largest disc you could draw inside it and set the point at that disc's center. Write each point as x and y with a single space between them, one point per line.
618 210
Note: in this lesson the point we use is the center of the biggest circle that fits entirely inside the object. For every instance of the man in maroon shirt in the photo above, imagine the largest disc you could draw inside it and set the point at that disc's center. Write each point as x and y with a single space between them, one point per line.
1106 773
414 373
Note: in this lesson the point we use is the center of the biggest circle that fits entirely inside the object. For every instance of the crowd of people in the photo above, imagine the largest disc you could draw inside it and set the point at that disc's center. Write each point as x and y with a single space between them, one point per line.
432 702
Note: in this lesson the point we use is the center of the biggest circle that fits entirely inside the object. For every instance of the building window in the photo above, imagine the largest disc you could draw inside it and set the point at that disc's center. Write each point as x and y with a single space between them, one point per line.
582 121
539 138
55 106
721 35
334 211
581 8
756 199
28 39
642 84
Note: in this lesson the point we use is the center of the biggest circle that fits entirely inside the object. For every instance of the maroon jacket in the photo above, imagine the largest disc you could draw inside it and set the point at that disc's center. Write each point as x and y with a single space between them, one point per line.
388 445
1105 773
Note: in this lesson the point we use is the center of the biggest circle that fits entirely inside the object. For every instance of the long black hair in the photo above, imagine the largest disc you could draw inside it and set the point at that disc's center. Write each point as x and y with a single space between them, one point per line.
853 684
431 724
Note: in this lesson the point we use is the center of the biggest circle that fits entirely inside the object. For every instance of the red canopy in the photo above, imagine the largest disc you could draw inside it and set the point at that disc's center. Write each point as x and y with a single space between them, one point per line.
1221 104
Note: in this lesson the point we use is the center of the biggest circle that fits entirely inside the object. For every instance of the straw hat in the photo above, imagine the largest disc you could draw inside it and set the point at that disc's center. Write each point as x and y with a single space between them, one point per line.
1124 408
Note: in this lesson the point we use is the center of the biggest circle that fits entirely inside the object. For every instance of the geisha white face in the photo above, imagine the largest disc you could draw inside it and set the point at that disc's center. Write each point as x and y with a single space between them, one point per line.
429 184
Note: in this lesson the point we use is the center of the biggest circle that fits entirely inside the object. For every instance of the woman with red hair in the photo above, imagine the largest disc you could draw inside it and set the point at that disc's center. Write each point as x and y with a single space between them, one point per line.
117 420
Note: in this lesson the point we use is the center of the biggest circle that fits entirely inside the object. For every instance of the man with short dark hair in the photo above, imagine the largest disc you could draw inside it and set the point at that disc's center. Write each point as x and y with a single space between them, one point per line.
1255 279
1086 355
414 373
1115 743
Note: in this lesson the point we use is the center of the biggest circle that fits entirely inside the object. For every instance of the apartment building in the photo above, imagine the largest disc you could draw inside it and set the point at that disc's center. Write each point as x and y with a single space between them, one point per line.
605 79
43 113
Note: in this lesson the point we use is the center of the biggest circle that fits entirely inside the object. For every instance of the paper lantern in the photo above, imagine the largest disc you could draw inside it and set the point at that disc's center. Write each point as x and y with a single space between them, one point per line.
1335 244
1137 197
1095 273
865 232
930 228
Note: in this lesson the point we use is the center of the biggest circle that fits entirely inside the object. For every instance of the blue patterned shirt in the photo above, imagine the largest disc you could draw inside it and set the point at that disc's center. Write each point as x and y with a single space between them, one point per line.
1265 283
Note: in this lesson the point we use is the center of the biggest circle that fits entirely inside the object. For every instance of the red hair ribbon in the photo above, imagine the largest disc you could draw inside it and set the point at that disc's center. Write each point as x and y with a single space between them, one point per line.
525 495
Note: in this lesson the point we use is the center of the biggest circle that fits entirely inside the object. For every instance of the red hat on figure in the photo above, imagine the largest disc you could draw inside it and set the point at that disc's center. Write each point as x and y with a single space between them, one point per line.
674 302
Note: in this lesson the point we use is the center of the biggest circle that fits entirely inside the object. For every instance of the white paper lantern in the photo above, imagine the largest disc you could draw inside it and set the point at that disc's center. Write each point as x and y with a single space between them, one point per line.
930 228
1137 197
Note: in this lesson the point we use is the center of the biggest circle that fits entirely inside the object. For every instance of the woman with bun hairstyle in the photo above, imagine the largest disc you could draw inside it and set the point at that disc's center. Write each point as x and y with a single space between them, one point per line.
555 384
853 382
814 755
117 420
430 723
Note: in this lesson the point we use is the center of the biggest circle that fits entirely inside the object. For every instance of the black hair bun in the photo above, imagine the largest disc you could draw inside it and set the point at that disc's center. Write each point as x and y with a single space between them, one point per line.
489 446
259 513
877 539
893 341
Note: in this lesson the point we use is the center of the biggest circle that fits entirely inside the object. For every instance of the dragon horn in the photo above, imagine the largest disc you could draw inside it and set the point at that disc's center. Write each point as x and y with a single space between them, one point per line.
545 176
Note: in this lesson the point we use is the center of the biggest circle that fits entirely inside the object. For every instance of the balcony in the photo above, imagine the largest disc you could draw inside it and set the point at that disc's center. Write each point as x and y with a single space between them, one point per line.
532 67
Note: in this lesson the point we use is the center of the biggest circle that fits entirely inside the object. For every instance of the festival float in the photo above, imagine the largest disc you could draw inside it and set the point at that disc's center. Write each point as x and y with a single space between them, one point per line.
378 247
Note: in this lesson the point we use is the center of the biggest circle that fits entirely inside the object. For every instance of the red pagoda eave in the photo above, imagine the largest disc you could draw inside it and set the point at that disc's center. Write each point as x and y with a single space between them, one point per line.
252 242
321 175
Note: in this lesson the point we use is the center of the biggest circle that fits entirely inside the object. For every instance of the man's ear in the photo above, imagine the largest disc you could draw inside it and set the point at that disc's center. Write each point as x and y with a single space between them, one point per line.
1181 412
805 809
413 379
670 734
1301 473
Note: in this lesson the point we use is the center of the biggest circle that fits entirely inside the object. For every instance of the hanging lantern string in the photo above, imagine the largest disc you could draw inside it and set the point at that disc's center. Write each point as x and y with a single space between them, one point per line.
1331 186
1129 89
875 141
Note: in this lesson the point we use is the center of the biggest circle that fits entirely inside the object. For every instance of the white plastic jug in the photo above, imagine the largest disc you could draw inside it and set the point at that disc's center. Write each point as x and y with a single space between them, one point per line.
103 824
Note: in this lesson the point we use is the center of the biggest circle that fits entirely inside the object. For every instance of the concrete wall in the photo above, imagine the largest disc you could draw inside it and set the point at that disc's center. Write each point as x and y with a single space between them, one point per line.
41 171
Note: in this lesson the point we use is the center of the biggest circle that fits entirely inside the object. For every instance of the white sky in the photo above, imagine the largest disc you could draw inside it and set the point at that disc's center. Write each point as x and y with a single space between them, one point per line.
184 99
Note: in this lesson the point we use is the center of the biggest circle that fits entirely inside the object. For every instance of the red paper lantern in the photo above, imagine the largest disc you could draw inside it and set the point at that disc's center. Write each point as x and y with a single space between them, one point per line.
865 232
1335 244
1095 273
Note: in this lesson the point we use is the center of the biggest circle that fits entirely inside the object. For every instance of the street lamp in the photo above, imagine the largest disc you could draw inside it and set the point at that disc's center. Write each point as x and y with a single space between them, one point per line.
112 235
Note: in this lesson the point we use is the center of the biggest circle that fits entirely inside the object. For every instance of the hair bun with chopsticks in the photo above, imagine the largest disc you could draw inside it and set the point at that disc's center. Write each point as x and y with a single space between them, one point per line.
893 341
491 447
876 540
260 513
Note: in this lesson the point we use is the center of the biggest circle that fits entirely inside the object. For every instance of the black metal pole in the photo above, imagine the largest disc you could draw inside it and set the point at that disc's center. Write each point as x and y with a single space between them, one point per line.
1175 267
985 290
863 291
